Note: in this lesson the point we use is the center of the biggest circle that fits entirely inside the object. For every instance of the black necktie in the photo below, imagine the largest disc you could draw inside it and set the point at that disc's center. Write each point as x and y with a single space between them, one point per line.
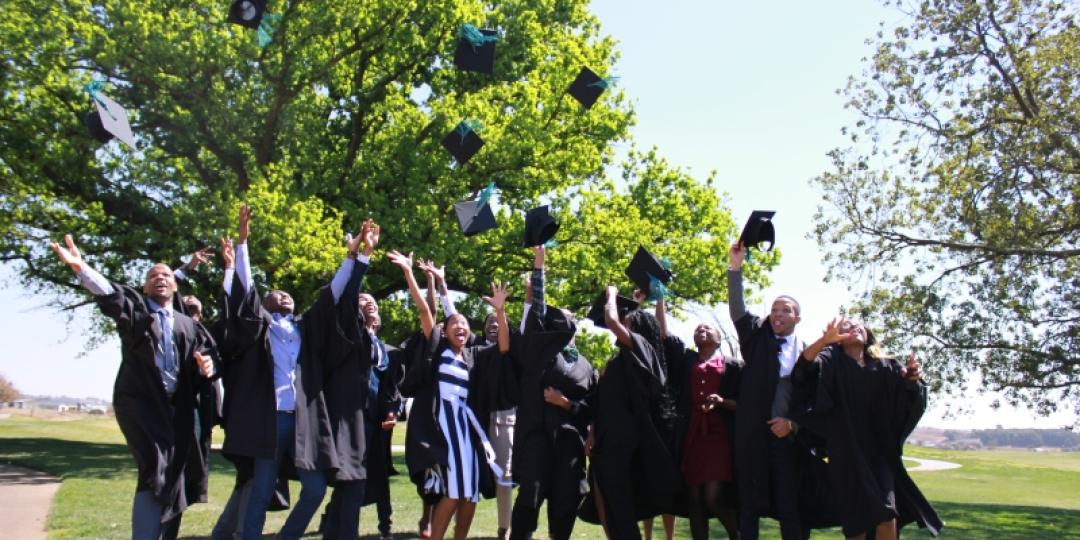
780 344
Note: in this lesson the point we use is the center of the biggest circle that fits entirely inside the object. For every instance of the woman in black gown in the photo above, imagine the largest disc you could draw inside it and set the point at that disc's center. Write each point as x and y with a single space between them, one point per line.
867 404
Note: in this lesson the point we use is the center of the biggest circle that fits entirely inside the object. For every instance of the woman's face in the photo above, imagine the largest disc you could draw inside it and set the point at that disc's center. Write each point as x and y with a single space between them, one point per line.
457 331
855 331
705 335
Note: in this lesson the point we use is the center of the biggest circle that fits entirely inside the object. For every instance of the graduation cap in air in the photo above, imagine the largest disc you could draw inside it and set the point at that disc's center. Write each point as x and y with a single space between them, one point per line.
623 305
644 267
476 49
108 120
247 13
540 226
475 217
463 142
588 86
758 229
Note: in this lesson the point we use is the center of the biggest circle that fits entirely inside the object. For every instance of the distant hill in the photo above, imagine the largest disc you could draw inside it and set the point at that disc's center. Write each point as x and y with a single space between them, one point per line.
971 439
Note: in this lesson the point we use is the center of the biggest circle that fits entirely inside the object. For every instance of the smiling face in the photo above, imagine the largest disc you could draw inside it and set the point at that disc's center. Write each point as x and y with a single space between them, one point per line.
367 304
784 315
457 331
856 332
491 328
706 336
278 302
160 284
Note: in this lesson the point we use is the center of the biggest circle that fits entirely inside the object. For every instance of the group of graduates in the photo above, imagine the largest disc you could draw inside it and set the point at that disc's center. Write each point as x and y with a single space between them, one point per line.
808 434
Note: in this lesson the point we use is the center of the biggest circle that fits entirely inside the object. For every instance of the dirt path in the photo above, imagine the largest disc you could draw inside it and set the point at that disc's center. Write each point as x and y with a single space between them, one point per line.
27 496
924 464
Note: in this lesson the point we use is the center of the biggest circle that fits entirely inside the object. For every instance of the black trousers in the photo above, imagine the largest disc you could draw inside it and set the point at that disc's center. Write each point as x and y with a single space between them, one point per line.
783 493
554 471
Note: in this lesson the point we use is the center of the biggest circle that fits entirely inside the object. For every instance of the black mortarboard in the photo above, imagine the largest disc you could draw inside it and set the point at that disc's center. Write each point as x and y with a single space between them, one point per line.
623 304
463 142
587 87
247 13
643 265
476 216
539 226
759 228
476 49
96 128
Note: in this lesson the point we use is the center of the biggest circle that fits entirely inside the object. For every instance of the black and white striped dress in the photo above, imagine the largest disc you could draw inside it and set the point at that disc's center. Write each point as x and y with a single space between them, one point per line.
463 469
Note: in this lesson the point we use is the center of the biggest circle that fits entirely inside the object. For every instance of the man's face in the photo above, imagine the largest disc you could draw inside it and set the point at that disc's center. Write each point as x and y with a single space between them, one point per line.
491 328
160 284
367 304
784 316
279 302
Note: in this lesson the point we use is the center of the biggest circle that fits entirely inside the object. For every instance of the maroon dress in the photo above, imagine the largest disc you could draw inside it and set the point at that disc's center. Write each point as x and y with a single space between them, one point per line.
707 449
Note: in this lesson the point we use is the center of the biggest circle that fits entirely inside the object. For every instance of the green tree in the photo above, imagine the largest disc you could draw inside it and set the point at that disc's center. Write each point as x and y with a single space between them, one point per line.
958 199
338 119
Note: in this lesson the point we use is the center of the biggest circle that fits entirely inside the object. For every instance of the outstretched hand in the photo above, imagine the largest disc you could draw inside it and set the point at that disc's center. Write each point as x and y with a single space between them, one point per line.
437 272
201 256
539 255
913 370
227 253
244 226
833 333
402 261
497 300
736 256
69 255
369 235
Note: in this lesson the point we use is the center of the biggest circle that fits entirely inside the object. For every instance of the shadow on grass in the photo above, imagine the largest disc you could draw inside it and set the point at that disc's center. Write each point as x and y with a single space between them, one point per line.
78 459
1002 521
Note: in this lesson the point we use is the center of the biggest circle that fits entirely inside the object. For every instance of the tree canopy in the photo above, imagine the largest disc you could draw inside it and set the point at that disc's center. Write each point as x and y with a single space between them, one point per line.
339 118
957 199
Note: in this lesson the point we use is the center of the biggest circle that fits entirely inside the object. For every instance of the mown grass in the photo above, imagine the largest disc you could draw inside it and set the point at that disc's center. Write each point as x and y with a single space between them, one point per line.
996 494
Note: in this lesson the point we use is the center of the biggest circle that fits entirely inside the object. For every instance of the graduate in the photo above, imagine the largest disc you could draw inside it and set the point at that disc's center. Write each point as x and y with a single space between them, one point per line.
350 353
277 412
869 403
166 364
556 384
455 388
383 404
707 405
765 449
634 476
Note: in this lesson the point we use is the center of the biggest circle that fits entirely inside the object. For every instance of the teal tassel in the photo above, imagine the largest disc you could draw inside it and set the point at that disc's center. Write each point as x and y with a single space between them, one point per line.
657 289
266 29
572 352
605 83
666 263
474 36
93 88
551 244
485 195
465 127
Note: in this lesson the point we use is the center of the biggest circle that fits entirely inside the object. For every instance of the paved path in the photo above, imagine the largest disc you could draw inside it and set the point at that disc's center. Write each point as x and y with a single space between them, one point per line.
930 465
26 496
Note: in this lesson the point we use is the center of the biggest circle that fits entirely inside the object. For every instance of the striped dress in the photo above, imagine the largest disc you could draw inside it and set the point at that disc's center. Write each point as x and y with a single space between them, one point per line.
463 469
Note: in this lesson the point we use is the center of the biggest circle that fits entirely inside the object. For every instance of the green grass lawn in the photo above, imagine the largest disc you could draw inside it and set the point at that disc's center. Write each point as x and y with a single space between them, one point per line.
996 494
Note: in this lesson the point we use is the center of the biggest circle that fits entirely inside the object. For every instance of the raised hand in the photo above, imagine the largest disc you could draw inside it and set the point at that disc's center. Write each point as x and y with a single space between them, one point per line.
69 255
369 234
201 256
913 370
526 281
834 331
611 291
227 253
639 296
736 255
206 365
539 254
402 261
352 243
497 300
244 227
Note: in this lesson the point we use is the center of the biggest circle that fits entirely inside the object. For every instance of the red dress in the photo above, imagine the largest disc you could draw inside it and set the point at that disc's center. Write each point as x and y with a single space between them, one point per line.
707 449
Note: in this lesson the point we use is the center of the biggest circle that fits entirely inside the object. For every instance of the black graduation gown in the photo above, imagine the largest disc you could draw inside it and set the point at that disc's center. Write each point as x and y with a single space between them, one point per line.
491 380
627 396
541 363
757 388
160 433
250 402
868 413
378 451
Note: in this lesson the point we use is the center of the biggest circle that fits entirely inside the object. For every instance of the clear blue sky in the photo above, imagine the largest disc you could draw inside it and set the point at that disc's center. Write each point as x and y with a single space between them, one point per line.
747 89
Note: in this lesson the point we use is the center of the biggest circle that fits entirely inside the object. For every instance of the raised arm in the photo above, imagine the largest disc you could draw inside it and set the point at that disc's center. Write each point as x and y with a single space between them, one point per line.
426 266
243 261
830 336
360 249
90 278
228 258
736 305
611 318
427 320
201 256
661 316
497 301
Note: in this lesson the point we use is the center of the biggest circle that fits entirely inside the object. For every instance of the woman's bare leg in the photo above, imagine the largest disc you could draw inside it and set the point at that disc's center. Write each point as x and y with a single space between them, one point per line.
465 511
441 515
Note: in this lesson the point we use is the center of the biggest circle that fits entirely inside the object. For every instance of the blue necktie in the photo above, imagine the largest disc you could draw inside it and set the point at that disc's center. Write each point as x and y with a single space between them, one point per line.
167 352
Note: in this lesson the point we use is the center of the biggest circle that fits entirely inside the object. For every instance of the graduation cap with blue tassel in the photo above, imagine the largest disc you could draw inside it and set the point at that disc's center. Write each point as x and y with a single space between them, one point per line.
252 14
109 119
588 86
650 274
464 141
476 49
475 217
